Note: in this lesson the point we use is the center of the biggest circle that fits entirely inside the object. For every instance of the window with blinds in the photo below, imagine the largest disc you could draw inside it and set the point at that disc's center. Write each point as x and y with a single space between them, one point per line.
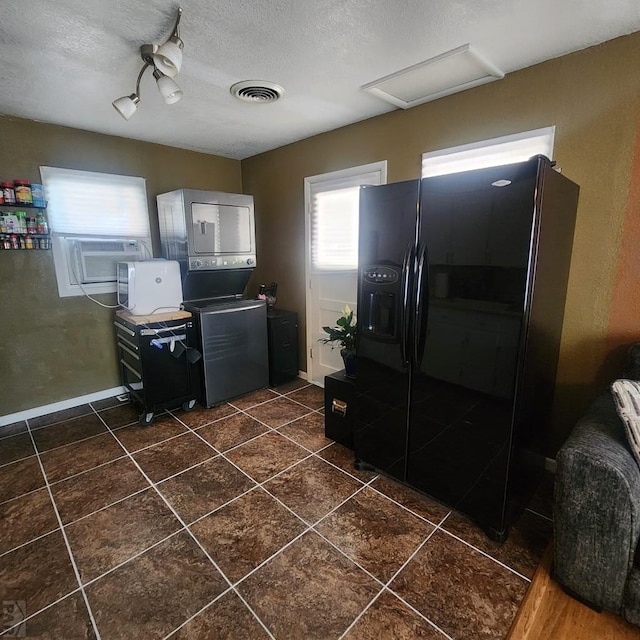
489 153
95 204
96 220
333 203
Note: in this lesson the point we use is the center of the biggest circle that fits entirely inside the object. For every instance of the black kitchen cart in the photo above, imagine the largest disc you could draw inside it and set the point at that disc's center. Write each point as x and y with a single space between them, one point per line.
158 362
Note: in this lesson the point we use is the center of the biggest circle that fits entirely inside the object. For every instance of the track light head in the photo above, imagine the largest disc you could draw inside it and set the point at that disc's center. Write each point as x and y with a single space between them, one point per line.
169 90
168 57
127 105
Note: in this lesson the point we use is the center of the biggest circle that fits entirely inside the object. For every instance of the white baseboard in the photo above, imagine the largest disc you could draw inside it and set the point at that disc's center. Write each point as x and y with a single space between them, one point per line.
59 406
303 375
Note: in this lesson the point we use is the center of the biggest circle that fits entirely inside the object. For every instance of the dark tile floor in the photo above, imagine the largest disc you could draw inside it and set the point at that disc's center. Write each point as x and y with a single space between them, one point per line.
241 521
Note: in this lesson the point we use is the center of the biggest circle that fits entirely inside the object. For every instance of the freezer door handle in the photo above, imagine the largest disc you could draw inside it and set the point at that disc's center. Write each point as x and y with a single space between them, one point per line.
405 316
422 306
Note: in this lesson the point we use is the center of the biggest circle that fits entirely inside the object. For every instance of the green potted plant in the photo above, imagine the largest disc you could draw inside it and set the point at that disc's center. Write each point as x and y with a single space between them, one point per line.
344 333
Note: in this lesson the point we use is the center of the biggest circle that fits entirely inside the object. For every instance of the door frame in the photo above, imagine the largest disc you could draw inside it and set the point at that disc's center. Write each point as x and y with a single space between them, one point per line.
380 166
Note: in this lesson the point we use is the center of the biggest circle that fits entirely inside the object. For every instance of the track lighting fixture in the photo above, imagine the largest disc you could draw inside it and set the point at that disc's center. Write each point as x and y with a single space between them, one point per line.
166 60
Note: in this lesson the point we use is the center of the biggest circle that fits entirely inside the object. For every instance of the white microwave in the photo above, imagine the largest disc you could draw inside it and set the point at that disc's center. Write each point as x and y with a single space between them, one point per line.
149 286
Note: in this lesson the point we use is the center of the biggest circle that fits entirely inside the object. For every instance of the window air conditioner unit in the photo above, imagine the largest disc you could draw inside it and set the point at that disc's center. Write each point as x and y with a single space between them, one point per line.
95 260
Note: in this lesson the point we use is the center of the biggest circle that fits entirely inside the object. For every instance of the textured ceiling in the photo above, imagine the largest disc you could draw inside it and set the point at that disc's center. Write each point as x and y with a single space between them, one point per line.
65 61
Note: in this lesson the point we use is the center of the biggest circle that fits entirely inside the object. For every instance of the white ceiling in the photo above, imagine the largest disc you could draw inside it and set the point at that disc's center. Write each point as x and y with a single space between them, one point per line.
65 61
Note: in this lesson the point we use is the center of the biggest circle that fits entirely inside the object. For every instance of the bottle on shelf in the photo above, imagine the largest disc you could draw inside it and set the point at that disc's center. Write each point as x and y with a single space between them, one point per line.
22 190
11 223
8 194
41 224
37 193
22 222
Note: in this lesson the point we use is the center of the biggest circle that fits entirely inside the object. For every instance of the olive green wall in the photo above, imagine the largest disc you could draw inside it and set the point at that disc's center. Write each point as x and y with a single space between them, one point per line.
52 348
593 99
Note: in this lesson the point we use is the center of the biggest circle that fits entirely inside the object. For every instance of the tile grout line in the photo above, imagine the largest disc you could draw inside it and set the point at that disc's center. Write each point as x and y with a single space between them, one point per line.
18 433
136 555
111 504
26 493
404 565
312 528
25 544
80 473
66 539
68 444
197 613
39 611
270 430
6 464
230 589
52 424
335 466
385 587
309 528
413 513
486 555
185 527
468 544
264 424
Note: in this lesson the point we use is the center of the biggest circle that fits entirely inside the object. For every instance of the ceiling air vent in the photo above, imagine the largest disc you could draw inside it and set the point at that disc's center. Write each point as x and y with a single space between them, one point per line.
257 91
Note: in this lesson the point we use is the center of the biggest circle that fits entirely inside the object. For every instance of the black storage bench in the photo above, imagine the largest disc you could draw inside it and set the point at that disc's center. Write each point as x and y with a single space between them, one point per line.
339 406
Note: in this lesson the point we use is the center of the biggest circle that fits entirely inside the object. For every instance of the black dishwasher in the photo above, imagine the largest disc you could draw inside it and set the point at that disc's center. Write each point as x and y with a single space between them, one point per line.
158 361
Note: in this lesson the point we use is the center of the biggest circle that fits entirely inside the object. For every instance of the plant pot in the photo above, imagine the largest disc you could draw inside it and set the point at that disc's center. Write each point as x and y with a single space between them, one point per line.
349 359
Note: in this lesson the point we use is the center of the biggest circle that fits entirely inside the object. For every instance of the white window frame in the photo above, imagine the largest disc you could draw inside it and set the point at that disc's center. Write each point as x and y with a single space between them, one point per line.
488 153
63 241
334 180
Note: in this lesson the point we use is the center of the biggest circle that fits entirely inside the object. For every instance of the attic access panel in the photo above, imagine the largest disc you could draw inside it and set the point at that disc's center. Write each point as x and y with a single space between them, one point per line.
450 72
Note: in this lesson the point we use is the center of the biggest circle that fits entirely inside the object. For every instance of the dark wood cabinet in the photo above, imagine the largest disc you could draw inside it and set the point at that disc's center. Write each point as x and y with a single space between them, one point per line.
282 333
339 407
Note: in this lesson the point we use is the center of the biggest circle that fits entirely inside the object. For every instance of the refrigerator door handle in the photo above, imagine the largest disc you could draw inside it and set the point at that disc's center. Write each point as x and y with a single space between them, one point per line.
407 263
422 306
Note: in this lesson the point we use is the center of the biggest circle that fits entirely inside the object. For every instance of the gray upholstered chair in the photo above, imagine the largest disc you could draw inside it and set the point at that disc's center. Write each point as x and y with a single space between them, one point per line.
597 509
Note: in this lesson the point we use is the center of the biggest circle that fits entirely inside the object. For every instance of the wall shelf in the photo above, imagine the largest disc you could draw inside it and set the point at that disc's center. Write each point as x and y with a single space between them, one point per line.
23 206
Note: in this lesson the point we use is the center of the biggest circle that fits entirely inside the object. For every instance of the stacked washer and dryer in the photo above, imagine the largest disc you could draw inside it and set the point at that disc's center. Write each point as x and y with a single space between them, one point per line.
212 236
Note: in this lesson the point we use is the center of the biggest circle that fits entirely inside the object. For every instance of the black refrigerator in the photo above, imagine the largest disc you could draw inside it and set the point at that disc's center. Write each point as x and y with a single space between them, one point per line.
461 292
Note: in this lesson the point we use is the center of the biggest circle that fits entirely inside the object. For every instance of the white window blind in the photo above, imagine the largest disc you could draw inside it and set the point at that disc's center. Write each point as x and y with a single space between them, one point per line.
489 153
95 204
334 205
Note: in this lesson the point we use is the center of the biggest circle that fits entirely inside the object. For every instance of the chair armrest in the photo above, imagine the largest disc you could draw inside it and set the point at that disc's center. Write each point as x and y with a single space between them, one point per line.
596 508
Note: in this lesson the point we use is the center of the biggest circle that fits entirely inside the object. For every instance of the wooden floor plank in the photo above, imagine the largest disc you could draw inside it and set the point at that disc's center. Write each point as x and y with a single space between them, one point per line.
548 613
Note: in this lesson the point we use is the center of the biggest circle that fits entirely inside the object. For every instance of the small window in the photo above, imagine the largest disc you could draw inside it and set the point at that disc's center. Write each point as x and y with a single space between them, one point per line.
96 221
333 201
489 153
